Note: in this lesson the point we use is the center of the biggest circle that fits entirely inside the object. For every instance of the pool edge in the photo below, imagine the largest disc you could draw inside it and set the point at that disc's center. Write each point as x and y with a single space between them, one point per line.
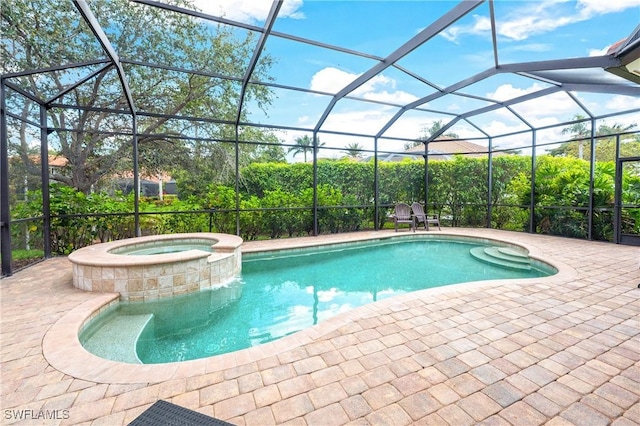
62 348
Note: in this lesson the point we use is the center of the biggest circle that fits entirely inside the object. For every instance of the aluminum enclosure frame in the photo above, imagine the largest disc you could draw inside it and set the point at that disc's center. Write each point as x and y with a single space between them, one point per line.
551 72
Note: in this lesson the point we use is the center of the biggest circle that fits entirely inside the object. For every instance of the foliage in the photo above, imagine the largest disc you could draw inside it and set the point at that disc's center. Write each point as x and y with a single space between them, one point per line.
304 145
257 178
276 200
427 131
280 222
263 147
27 254
170 222
605 145
70 227
561 197
39 33
354 150
506 212
460 187
222 200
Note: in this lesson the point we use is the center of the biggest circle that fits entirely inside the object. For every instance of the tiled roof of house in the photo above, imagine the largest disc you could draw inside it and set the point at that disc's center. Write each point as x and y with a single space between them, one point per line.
441 149
446 147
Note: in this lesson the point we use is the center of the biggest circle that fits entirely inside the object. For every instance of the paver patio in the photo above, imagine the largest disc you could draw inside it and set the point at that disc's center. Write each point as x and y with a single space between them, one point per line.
558 351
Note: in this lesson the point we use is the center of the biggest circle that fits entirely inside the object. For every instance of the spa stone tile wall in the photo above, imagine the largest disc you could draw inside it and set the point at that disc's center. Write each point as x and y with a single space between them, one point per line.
149 282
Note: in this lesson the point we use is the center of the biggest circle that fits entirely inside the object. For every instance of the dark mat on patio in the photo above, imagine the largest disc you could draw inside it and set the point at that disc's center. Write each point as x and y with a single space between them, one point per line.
163 413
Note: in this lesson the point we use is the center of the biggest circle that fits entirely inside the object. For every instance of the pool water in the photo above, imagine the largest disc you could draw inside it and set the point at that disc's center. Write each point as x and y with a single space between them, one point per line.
280 294
163 247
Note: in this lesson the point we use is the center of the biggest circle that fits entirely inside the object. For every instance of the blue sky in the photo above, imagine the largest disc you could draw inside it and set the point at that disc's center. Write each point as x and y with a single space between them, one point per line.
527 31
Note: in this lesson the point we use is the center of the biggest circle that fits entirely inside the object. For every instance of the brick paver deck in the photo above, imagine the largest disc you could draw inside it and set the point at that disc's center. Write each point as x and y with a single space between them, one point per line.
558 351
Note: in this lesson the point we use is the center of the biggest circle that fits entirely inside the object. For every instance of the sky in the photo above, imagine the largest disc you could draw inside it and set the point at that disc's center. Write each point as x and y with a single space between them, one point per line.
527 31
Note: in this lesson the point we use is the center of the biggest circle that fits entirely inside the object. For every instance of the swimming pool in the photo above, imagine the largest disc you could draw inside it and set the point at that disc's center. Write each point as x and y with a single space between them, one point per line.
279 293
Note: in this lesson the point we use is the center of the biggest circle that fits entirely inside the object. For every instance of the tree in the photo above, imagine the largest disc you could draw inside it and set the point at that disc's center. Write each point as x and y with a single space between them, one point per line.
354 150
434 128
579 131
38 34
303 145
261 147
605 146
617 128
427 131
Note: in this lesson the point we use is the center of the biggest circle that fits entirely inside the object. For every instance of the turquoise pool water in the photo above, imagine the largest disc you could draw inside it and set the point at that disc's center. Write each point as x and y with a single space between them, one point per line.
163 247
280 294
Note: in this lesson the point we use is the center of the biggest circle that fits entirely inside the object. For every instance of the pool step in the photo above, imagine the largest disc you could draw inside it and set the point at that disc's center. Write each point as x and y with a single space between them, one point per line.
502 256
127 328
508 254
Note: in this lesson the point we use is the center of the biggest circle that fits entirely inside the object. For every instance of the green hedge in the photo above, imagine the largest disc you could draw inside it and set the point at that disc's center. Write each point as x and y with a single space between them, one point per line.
276 200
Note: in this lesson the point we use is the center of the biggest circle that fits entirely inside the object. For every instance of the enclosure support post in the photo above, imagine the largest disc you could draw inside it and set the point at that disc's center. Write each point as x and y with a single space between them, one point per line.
617 198
532 194
237 183
44 171
315 184
592 174
426 176
490 183
136 176
5 214
376 189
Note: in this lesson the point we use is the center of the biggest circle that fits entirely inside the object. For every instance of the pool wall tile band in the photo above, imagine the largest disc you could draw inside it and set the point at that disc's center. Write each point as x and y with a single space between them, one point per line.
100 267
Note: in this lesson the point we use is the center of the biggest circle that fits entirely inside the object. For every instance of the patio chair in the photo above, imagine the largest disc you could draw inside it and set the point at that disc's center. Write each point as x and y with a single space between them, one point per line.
421 217
402 214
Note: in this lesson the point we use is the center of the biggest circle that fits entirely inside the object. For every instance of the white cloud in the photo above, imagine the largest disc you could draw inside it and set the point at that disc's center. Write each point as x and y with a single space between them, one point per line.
249 11
362 121
536 110
599 52
600 7
304 119
397 97
527 47
481 25
505 92
501 127
379 88
331 80
522 140
370 118
538 18
532 22
623 103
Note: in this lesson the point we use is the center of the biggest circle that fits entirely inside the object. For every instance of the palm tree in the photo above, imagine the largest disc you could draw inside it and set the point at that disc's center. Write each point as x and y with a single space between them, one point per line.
427 131
578 131
616 128
303 145
354 150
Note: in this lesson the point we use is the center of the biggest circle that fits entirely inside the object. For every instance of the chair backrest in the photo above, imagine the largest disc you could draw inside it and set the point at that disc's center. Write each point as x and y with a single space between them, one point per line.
417 209
402 211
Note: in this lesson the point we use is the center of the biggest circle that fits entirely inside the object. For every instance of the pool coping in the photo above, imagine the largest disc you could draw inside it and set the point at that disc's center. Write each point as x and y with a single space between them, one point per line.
104 254
63 350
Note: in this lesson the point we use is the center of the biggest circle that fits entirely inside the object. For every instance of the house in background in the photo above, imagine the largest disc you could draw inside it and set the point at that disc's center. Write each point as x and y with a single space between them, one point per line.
439 149
150 186
56 165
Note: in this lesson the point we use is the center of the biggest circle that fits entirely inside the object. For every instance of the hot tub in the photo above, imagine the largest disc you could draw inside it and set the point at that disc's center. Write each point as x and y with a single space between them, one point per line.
158 266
